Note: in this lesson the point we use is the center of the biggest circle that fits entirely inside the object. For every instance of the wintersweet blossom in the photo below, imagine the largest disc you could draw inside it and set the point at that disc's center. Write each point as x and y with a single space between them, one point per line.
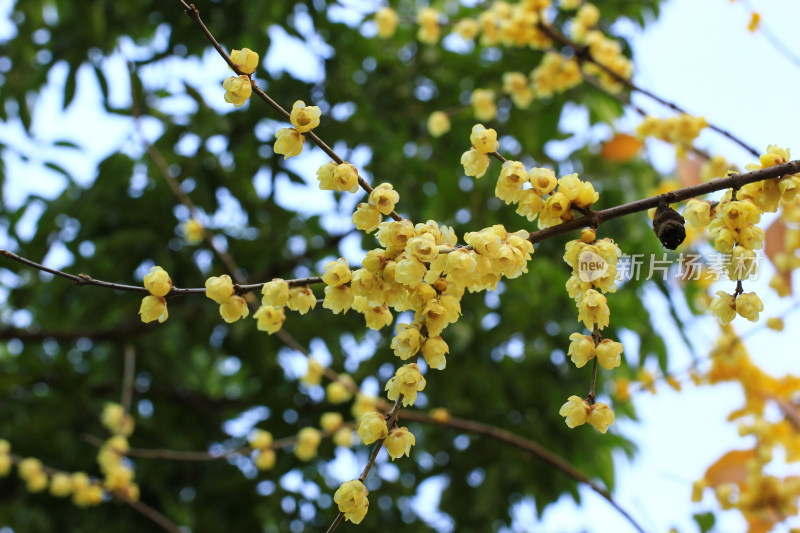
399 442
372 427
406 381
351 498
237 90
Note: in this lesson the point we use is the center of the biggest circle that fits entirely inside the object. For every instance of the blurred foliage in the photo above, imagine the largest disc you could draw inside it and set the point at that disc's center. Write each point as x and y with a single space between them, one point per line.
194 374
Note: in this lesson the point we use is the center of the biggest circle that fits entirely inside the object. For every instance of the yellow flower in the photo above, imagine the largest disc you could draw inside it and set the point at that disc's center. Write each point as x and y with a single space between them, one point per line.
234 309
739 214
435 316
313 375
339 391
530 203
116 420
608 353
697 213
386 20
410 271
378 317
351 497
601 417
509 185
275 293
157 282
434 350
384 198
475 163
543 180
245 60
775 323
366 217
304 118
270 319
516 84
153 308
308 440
330 422
338 299
575 411
429 29
219 288
30 470
555 211
288 142
363 404
61 485
337 273
755 20
343 437
438 123
440 415
748 305
423 247
467 28
342 178
260 440
407 342
372 427
265 460
406 381
394 235
484 140
593 309
192 231
581 349
483 104
301 299
237 90
723 307
399 442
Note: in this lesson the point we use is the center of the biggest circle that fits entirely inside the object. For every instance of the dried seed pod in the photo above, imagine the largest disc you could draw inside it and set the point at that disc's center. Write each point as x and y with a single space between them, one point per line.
669 226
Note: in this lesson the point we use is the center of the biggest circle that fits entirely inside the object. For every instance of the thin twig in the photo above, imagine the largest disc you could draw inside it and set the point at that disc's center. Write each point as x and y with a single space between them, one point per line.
582 54
595 218
154 515
192 12
536 449
392 416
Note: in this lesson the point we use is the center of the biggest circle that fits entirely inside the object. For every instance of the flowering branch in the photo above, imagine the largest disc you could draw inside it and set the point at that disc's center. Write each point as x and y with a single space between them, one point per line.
192 12
595 218
583 54
392 417
528 445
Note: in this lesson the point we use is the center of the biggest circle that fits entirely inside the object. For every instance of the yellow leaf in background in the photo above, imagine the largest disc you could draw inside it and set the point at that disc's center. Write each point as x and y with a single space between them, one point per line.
621 148
730 468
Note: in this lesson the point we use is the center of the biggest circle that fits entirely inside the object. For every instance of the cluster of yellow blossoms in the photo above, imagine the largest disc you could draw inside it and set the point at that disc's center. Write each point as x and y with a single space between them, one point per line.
732 227
527 189
261 443
111 457
232 307
154 306
239 88
289 141
85 492
680 131
594 268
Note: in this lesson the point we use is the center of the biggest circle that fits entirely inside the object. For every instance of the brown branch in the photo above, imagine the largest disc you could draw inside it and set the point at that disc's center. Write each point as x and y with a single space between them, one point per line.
595 218
582 54
154 515
392 417
529 446
192 12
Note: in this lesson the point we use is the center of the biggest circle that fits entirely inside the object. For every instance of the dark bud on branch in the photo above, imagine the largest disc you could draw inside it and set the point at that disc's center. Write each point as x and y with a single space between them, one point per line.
669 226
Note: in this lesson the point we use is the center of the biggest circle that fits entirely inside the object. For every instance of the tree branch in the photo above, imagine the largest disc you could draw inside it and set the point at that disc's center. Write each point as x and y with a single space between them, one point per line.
529 446
192 12
372 457
583 54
